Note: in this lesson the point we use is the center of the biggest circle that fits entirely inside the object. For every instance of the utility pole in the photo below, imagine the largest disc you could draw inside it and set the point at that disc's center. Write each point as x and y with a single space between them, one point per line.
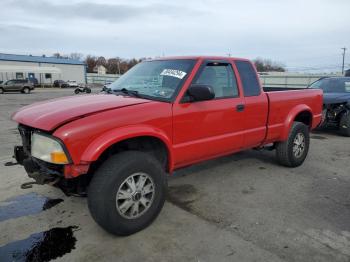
342 68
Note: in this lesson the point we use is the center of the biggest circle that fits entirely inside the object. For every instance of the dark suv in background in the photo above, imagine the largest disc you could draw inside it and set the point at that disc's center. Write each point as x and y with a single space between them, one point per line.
15 85
336 102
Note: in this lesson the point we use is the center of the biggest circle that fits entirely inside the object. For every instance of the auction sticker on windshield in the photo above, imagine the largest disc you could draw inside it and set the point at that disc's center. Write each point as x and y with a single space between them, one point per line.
174 73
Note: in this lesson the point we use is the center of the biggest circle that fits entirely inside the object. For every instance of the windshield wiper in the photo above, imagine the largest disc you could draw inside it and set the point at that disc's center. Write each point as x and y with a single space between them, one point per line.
133 93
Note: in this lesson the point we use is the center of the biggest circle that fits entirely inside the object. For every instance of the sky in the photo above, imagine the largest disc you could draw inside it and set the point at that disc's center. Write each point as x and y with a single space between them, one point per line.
302 35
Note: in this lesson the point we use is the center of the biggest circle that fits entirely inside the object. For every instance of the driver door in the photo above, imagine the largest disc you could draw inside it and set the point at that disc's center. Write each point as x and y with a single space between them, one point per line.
206 129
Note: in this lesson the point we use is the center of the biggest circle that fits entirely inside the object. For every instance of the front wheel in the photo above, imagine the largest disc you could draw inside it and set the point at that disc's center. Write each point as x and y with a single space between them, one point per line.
344 124
1 90
127 192
26 90
77 91
292 153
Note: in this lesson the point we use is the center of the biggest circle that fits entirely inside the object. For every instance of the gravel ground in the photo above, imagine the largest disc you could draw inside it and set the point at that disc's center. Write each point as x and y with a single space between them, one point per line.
243 207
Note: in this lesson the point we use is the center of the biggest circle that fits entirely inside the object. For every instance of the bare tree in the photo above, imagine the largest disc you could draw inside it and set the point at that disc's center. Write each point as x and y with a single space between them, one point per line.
102 61
113 65
91 62
57 55
266 65
76 56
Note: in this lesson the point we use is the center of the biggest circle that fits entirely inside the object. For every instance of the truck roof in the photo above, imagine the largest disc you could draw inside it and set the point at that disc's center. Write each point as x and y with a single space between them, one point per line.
201 57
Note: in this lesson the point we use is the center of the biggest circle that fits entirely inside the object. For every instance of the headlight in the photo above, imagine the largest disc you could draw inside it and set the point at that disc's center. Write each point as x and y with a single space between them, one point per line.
48 149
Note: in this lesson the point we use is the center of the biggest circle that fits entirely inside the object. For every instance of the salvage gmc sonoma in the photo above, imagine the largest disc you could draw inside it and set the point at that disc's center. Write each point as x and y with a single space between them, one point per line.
118 146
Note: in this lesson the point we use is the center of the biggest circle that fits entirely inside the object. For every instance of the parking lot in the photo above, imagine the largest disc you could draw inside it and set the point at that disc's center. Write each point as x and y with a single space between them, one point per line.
243 207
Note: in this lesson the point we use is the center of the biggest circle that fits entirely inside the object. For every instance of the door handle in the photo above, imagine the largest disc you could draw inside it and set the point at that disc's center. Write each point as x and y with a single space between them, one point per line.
240 108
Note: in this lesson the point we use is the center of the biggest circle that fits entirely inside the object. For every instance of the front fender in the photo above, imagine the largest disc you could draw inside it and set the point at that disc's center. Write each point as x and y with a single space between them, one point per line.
291 117
104 141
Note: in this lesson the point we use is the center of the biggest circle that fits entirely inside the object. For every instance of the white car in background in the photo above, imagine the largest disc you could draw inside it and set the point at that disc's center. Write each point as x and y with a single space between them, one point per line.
72 83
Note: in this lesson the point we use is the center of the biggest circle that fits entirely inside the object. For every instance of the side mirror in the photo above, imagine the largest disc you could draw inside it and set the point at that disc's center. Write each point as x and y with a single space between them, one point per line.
199 92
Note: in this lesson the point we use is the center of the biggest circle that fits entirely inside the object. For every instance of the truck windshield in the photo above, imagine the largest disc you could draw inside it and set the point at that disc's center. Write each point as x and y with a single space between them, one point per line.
333 85
158 79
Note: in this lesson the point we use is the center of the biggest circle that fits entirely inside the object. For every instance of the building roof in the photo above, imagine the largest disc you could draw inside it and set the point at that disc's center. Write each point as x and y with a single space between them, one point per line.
39 59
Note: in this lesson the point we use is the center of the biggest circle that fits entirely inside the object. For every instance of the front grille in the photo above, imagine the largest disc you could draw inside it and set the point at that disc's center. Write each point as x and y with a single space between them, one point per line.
26 134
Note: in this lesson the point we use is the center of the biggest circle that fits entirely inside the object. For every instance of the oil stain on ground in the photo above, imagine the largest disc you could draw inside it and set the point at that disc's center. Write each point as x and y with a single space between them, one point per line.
248 190
41 247
10 163
25 205
182 196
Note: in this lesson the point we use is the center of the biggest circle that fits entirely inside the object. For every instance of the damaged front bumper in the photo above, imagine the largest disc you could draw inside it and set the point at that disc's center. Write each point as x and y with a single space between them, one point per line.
42 172
65 177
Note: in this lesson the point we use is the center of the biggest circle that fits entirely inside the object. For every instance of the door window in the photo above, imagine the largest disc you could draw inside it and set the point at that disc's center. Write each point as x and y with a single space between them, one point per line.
220 77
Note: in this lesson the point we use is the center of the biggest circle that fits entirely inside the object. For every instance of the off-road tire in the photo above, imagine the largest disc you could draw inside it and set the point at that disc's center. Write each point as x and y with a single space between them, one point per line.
1 90
284 150
344 124
25 90
105 184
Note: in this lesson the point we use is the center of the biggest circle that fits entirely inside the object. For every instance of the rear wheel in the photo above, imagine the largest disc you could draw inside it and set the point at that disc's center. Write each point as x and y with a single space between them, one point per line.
87 90
293 152
1 90
26 90
127 192
344 125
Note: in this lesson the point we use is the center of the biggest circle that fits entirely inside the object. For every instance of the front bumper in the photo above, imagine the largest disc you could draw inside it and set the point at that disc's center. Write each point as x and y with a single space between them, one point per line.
42 172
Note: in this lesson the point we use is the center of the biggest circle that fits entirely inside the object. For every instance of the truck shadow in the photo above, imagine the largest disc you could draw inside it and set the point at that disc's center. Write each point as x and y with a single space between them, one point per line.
260 155
329 131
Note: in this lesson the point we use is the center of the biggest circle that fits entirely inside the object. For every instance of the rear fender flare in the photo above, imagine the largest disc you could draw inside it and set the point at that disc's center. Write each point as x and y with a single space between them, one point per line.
103 142
291 117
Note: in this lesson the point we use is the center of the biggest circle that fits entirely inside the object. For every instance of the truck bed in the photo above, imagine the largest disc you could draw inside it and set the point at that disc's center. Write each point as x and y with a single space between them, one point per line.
282 104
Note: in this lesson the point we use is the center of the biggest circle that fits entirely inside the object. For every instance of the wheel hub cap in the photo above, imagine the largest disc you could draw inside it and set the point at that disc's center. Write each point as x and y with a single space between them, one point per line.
299 145
135 195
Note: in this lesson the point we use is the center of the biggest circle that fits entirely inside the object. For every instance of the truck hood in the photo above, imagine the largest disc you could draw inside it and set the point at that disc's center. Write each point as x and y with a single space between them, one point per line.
50 114
335 98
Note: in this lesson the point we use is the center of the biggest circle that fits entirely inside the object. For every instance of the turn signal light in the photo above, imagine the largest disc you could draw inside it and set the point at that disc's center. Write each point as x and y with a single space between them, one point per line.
59 157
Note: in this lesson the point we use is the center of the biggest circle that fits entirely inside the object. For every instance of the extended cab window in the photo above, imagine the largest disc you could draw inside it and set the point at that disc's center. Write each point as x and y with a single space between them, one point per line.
250 82
220 77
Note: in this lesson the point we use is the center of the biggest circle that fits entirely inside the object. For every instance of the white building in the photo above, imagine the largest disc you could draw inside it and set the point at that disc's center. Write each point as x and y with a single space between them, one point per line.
45 69
100 70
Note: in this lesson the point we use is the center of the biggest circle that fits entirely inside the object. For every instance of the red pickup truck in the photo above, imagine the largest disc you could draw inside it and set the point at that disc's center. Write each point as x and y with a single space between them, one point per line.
163 114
